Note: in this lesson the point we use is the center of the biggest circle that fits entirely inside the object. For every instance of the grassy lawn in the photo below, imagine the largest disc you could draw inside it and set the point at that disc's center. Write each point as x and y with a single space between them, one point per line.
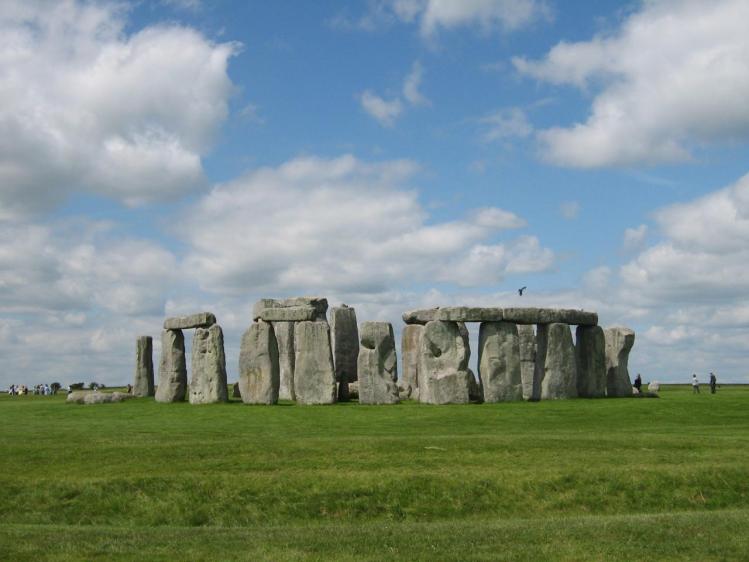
579 479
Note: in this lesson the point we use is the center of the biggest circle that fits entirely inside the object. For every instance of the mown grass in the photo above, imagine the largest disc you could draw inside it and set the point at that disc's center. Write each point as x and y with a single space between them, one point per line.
578 479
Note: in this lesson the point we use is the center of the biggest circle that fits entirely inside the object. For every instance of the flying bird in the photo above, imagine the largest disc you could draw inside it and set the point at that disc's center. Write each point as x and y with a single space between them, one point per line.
520 290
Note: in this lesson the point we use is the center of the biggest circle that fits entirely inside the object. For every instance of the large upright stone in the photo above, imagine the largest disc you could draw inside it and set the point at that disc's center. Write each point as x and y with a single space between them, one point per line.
200 320
143 380
284 332
444 377
410 348
531 385
314 374
499 362
259 377
555 361
208 382
172 367
377 364
590 347
619 342
344 339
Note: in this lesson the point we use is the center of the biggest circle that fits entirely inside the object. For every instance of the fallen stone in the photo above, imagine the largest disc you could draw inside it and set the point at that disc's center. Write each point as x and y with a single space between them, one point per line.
143 379
94 397
284 332
531 385
172 367
550 316
259 377
619 342
499 362
453 314
318 304
208 382
377 364
591 361
410 349
444 377
344 339
200 320
314 374
555 361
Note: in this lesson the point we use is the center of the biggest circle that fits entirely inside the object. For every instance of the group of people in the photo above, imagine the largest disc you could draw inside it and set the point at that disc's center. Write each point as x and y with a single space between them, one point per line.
696 383
23 390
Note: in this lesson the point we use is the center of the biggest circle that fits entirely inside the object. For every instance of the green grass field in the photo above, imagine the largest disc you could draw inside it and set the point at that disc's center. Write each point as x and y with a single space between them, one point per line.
622 479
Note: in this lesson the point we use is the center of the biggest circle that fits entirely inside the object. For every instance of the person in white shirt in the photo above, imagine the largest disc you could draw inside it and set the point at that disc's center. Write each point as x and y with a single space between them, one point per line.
695 384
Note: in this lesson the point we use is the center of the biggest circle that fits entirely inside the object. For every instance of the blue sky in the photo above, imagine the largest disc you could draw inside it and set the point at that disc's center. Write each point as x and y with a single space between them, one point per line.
159 158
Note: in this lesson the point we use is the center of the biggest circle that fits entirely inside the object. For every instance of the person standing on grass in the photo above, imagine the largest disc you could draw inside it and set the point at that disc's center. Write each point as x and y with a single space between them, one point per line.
638 383
713 382
695 384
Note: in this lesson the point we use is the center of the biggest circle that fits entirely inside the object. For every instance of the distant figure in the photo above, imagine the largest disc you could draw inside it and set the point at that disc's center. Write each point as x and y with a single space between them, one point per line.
129 388
520 290
654 386
638 383
695 384
713 382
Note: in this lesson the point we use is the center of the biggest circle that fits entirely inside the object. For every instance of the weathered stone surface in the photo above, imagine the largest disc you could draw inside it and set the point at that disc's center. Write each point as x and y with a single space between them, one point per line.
314 374
555 361
499 362
200 320
453 314
301 306
531 385
444 377
208 382
235 393
344 339
550 316
284 332
172 367
410 349
259 375
377 364
590 347
143 379
493 314
619 342
93 397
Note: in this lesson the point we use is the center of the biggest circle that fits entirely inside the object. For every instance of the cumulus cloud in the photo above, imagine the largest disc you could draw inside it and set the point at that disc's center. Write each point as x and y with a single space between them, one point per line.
85 106
634 238
411 86
384 111
673 78
347 226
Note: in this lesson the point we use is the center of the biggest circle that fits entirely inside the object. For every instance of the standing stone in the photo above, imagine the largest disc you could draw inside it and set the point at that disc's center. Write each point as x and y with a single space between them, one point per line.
555 361
444 377
619 342
143 382
172 367
208 382
259 377
499 362
410 347
531 385
344 339
378 364
314 374
591 361
284 332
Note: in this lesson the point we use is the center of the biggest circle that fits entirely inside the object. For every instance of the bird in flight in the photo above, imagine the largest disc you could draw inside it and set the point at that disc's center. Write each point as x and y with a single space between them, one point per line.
520 290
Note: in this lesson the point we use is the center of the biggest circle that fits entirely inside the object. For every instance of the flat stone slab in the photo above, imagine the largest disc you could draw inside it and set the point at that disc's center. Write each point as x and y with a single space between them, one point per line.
199 320
301 306
494 314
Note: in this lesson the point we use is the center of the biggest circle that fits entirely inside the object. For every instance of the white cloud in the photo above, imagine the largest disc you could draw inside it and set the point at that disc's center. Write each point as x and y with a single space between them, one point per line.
505 124
634 238
411 86
343 225
384 111
569 210
674 77
86 107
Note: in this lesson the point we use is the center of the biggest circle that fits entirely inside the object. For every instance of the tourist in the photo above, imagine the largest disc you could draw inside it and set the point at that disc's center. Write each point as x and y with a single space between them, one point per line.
638 383
695 384
713 382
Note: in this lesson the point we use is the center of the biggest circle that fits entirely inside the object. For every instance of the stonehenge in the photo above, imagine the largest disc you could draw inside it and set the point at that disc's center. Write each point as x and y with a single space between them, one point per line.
291 351
377 364
143 380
